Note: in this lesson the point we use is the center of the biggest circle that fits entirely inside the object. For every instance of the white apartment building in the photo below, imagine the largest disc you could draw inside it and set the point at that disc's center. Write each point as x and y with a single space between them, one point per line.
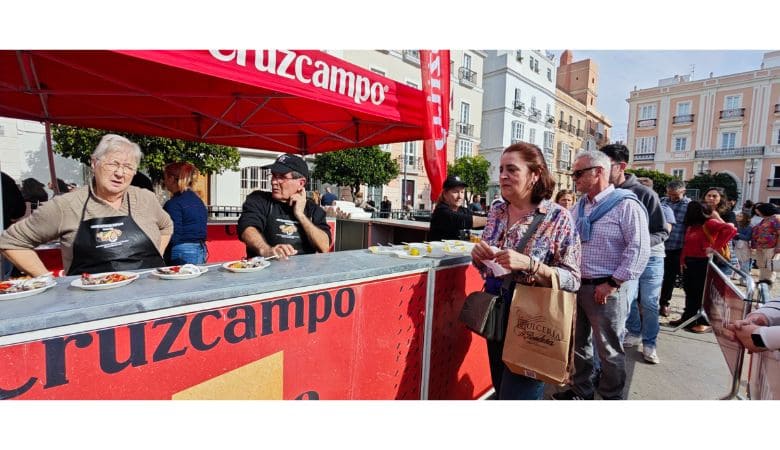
519 104
23 154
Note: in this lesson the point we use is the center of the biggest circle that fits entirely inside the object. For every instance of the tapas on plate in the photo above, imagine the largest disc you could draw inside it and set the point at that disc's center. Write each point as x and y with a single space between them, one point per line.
106 280
247 265
183 272
25 287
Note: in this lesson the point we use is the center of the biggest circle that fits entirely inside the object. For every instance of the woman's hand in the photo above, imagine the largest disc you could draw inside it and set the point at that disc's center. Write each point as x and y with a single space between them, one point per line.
482 252
715 215
512 260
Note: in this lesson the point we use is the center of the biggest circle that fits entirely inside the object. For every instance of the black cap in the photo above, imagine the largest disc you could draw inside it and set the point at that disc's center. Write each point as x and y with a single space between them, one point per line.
452 182
287 163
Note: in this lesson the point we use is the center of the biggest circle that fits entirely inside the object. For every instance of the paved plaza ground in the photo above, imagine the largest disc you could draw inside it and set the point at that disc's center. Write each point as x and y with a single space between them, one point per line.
692 366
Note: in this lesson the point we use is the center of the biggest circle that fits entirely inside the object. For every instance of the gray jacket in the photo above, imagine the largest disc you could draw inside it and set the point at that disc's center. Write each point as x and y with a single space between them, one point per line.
655 216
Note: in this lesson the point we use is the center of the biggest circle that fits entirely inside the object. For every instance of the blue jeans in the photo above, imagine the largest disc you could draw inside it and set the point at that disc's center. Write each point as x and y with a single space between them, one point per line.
188 253
649 287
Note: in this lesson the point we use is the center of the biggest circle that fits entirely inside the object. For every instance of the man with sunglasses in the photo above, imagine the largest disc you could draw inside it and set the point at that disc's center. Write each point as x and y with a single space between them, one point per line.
612 225
283 222
647 289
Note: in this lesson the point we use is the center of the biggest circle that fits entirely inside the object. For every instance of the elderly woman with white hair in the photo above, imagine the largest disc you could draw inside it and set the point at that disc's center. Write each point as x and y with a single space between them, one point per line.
105 226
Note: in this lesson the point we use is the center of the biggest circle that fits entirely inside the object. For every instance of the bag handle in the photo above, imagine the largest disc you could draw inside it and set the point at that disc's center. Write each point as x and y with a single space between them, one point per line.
538 217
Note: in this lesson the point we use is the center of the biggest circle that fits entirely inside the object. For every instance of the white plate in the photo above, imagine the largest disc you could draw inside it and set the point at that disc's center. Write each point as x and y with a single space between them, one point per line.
455 253
254 269
408 256
21 294
99 287
176 276
379 250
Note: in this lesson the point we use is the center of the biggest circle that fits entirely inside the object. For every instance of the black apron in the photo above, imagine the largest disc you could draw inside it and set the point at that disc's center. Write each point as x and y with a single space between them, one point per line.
108 244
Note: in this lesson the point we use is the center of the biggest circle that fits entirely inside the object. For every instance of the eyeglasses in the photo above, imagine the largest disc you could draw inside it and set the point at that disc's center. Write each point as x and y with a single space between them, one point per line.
281 177
113 166
578 173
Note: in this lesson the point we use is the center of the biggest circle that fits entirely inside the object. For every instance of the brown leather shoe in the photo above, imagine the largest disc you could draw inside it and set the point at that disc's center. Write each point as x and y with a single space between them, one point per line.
664 311
700 329
676 323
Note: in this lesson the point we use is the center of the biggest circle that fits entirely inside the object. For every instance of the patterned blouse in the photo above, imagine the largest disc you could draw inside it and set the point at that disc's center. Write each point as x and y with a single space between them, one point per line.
765 233
556 242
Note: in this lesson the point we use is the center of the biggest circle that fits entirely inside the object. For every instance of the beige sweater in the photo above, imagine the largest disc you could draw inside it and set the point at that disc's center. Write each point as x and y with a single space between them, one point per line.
60 217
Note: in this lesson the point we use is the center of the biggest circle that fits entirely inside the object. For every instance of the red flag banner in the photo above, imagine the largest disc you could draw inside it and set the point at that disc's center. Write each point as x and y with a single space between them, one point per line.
435 67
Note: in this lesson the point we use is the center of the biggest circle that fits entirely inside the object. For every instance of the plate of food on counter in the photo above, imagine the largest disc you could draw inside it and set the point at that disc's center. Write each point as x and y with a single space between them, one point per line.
25 287
413 252
247 265
457 248
183 272
106 280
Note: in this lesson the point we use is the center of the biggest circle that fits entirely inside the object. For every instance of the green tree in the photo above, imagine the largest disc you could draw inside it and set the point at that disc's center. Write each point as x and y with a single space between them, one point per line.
660 179
474 171
354 167
79 143
704 181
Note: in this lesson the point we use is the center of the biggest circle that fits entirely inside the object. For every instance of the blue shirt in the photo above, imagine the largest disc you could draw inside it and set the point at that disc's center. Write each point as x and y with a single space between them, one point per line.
675 241
189 217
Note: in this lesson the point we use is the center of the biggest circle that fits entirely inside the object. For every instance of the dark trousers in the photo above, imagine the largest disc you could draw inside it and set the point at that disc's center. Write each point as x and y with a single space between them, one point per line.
693 283
671 270
509 385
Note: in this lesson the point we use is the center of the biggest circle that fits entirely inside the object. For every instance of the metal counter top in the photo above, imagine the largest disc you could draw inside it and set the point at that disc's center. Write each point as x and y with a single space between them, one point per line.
65 305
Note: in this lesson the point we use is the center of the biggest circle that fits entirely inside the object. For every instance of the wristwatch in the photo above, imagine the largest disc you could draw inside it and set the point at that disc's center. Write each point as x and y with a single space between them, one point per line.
758 341
613 282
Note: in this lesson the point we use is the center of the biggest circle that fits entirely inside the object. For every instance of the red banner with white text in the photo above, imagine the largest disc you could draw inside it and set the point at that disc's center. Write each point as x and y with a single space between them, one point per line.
435 67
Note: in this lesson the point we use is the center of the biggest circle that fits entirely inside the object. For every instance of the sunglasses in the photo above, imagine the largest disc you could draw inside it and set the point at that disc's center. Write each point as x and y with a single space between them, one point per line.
578 173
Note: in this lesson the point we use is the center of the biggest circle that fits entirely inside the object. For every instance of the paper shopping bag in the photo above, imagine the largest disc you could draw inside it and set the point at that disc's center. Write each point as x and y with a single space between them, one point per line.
539 340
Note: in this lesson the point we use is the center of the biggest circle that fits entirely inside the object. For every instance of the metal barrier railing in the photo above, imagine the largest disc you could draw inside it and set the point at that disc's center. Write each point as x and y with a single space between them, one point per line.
722 304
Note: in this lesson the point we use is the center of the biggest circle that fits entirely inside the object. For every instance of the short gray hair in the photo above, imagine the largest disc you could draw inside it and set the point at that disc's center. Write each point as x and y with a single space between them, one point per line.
676 185
595 158
115 142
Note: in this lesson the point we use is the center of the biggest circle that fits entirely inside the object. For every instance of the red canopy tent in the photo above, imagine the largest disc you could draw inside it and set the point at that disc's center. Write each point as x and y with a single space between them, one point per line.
298 101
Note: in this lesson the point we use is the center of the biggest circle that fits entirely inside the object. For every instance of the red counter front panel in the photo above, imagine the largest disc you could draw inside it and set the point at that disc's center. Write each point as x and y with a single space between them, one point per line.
358 341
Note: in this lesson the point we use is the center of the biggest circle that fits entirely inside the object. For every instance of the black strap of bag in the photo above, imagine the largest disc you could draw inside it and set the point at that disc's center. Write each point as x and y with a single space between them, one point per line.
485 313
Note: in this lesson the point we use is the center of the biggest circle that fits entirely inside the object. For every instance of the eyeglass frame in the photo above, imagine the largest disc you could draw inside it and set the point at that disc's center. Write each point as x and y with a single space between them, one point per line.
283 177
117 165
575 175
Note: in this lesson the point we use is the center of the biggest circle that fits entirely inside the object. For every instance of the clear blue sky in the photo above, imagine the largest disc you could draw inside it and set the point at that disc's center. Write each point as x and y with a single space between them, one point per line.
621 70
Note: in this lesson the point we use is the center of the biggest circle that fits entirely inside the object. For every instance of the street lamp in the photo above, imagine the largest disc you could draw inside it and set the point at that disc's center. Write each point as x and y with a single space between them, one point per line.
751 172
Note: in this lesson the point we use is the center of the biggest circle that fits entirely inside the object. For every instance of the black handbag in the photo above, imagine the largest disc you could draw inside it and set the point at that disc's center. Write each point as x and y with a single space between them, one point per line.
482 313
485 313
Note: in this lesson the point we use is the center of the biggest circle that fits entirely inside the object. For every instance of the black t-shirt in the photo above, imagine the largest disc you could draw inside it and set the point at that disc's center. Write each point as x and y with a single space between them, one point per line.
447 223
276 222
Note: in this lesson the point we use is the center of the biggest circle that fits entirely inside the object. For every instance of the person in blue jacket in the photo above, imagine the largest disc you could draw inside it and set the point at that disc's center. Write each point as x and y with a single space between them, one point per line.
189 215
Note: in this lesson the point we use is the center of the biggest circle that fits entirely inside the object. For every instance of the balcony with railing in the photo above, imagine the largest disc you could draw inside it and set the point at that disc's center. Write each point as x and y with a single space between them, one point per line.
412 56
572 128
467 76
730 153
549 121
519 106
465 129
414 164
646 123
564 166
773 184
644 157
682 118
534 115
733 113
580 132
562 125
